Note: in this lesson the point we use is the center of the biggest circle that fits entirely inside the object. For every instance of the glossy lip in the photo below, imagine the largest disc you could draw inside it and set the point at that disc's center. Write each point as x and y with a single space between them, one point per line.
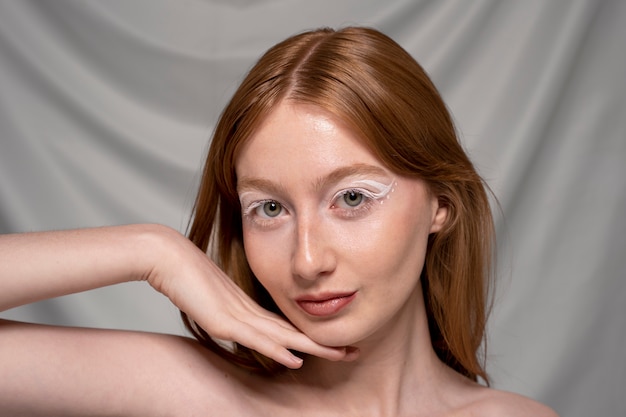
325 304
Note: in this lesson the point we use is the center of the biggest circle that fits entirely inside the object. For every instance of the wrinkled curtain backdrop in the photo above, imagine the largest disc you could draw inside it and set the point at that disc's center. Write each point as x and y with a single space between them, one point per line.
106 109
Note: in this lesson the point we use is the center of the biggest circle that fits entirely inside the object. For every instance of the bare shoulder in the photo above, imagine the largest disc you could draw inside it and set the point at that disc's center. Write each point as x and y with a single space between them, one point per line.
507 404
192 379
147 374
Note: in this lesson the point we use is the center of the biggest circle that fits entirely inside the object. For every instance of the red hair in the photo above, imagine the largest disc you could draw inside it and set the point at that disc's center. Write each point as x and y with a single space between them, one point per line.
371 83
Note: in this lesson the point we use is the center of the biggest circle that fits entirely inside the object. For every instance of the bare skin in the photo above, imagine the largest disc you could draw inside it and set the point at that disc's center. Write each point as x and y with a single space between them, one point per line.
335 263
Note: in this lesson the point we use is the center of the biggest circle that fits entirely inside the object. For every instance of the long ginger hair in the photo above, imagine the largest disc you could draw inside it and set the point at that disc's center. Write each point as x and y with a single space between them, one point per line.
371 83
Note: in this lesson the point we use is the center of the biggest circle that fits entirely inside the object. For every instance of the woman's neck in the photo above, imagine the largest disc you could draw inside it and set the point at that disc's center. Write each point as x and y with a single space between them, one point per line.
397 368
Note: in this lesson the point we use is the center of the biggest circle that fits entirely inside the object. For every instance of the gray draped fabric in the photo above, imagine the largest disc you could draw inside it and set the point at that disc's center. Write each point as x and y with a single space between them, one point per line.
106 109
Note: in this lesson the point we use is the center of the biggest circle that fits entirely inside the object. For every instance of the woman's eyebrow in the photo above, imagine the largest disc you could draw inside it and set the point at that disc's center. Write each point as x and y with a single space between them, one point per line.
258 184
349 171
251 184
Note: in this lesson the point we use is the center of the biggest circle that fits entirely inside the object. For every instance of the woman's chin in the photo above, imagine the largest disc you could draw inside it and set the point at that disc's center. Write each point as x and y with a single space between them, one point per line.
328 336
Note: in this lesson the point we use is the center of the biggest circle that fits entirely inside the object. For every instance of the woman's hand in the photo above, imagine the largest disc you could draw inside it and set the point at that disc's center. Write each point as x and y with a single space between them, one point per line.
37 266
198 287
94 363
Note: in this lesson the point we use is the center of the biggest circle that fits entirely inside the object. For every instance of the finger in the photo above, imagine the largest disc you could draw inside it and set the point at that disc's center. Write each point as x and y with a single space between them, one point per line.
288 336
352 354
275 340
266 345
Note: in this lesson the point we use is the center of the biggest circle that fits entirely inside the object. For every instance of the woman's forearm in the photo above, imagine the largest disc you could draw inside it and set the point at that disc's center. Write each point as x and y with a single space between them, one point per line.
36 266
41 265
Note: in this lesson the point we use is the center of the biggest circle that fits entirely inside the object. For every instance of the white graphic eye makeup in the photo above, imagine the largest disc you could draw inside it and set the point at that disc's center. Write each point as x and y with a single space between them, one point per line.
354 201
359 199
381 191
263 212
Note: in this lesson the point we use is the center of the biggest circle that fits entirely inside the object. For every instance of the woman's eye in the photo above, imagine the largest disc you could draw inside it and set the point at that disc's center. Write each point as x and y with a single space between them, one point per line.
271 208
264 213
352 202
353 198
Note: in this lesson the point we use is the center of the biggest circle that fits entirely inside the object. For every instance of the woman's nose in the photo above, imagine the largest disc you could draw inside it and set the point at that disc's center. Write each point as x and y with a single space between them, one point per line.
313 255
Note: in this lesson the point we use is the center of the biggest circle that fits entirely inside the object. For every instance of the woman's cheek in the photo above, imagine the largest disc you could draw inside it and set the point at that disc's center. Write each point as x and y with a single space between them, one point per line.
265 252
362 236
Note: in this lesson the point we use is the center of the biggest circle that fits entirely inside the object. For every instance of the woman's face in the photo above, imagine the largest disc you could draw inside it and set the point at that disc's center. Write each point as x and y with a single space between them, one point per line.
336 238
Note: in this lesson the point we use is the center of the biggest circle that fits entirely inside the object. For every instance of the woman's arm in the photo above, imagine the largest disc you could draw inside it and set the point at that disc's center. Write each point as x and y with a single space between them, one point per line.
49 368
54 371
36 266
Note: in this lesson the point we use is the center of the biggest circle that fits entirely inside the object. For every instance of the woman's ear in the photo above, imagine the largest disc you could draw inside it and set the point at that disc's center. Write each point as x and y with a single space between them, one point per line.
440 214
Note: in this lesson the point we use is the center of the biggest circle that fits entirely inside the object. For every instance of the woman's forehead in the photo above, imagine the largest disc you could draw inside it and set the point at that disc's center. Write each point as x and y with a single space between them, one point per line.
302 136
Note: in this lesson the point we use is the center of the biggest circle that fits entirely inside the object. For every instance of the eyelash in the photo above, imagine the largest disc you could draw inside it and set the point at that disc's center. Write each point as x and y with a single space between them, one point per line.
355 211
252 212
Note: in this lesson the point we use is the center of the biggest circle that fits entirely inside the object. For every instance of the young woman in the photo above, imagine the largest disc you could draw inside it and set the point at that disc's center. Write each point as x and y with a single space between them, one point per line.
349 240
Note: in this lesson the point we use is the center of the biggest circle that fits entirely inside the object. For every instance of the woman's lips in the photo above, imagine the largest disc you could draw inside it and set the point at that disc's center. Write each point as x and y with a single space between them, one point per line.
325 305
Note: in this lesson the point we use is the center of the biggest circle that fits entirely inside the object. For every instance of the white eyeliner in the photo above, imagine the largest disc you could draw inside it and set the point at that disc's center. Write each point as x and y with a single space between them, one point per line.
383 189
242 195
382 192
246 209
